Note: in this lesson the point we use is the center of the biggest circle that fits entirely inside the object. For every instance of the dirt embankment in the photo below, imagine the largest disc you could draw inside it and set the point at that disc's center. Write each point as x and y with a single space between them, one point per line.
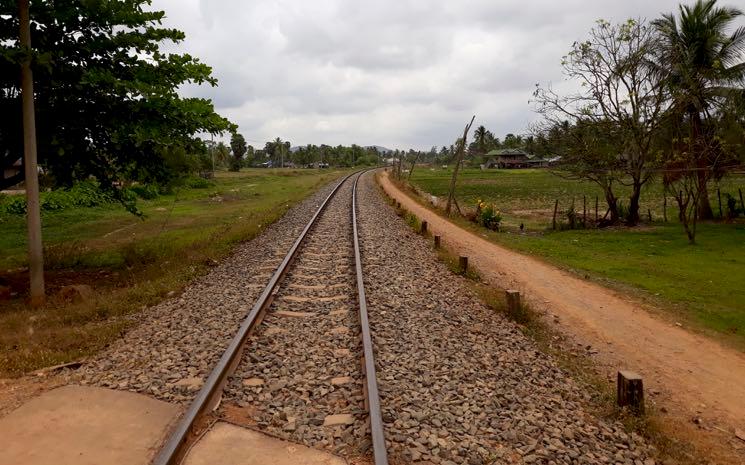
688 377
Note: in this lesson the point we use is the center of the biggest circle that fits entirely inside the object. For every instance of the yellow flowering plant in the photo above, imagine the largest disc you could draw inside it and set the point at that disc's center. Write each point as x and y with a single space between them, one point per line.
488 215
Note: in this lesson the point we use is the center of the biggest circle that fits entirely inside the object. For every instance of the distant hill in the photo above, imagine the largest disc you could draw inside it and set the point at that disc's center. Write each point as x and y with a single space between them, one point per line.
380 148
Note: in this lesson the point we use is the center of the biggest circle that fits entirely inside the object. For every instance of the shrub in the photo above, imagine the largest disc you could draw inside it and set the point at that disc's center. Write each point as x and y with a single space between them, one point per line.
488 216
732 211
145 191
197 183
84 194
15 205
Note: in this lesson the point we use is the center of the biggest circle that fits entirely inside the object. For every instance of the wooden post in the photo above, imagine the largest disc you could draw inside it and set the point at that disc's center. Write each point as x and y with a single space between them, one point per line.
742 204
398 204
423 229
413 163
463 264
513 301
596 209
31 171
649 214
584 211
556 207
437 242
664 208
458 160
630 391
719 196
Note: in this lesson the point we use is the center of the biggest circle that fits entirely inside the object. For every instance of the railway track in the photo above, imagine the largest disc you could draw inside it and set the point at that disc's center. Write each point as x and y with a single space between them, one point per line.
293 368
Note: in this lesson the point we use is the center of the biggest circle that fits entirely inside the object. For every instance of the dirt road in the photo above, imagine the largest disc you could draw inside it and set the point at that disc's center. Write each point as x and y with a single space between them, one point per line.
690 375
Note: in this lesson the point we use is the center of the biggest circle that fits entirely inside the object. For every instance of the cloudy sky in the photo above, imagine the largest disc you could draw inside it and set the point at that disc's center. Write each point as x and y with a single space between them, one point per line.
397 73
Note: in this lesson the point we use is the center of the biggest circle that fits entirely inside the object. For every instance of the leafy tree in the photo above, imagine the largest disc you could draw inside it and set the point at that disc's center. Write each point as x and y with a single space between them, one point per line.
619 88
106 95
703 69
238 146
512 141
589 151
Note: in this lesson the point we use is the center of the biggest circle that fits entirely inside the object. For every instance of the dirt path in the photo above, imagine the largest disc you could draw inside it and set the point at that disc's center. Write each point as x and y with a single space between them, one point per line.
690 375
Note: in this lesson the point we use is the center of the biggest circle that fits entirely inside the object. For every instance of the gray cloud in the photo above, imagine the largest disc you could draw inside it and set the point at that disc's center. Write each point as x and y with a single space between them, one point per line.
399 73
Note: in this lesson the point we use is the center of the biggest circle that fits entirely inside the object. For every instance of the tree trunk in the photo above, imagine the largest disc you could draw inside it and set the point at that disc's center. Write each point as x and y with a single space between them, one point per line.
704 206
612 202
633 218
33 214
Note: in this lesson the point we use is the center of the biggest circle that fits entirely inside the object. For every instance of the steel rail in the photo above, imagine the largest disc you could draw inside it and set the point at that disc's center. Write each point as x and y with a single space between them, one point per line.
172 451
380 455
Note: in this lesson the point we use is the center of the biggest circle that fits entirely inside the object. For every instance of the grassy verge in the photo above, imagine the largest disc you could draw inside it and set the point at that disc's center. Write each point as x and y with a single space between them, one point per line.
129 262
582 369
696 285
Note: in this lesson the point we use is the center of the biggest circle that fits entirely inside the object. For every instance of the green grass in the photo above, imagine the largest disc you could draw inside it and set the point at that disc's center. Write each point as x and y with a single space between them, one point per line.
130 262
699 285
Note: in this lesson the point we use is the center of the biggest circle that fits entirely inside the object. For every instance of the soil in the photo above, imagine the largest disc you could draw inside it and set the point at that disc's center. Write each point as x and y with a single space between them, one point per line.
696 385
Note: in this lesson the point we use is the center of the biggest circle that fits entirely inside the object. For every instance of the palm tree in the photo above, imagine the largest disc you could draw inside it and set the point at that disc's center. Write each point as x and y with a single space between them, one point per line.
279 148
705 67
479 136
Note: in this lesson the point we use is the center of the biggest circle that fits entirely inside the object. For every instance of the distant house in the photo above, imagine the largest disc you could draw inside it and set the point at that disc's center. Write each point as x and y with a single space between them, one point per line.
490 163
513 158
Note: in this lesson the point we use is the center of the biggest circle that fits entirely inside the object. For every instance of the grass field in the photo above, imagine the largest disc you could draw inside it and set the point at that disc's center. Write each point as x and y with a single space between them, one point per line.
700 285
130 262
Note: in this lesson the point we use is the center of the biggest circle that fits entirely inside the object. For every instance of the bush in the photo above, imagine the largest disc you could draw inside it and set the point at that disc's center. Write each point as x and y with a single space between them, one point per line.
145 191
732 210
197 183
83 195
488 216
14 205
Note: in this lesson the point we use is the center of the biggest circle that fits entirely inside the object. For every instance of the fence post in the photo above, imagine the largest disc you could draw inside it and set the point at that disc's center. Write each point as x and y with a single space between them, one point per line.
463 264
437 242
584 211
719 196
423 229
664 208
596 210
513 301
630 391
742 204
556 207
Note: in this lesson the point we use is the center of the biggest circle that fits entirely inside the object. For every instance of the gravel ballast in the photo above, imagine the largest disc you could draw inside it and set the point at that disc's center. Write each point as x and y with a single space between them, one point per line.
460 384
177 342
300 376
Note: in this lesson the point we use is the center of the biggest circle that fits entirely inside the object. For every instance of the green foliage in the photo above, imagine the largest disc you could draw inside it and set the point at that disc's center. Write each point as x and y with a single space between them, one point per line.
107 100
732 210
145 191
14 205
197 183
81 195
238 146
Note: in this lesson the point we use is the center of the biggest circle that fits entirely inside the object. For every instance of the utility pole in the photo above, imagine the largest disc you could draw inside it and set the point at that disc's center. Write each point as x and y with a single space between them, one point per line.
33 215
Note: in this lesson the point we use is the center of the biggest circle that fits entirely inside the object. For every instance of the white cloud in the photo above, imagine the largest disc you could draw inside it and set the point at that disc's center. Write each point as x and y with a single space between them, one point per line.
399 73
